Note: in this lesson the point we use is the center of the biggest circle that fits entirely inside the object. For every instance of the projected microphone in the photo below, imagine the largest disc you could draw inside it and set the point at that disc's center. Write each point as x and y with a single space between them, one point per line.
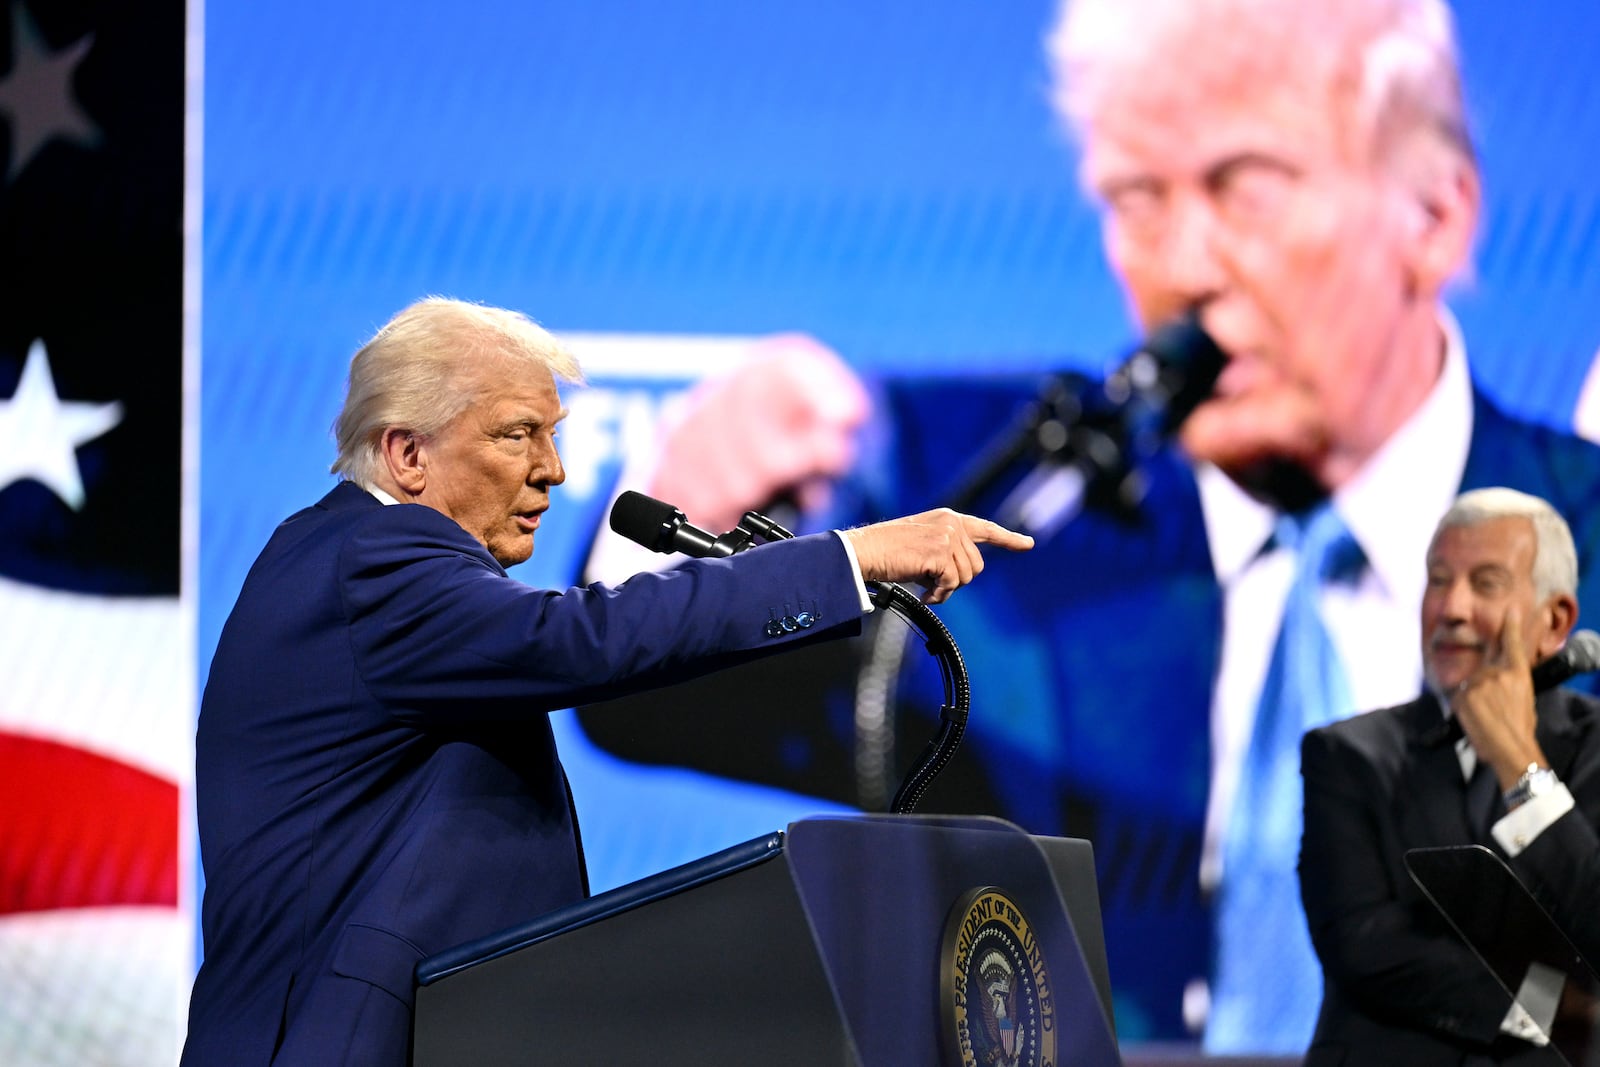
660 527
1103 431
1166 378
1580 655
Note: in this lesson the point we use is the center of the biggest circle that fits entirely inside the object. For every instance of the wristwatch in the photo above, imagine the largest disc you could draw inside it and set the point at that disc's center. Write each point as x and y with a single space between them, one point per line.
1536 781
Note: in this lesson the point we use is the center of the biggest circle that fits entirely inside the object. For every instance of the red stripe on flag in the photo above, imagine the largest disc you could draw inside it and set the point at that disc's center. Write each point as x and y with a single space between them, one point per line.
82 830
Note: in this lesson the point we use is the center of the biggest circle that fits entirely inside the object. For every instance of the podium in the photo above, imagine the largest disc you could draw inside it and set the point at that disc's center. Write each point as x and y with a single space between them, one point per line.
859 942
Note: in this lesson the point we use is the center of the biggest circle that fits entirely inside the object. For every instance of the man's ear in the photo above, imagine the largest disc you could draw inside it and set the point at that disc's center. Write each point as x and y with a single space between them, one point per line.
405 460
1445 192
1561 613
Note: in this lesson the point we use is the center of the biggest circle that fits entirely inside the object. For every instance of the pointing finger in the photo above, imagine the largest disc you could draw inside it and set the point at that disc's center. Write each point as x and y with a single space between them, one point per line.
1512 653
982 531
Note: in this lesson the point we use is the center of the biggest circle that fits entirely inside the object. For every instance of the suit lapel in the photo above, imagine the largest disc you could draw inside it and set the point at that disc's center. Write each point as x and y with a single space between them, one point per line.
1556 733
1436 793
1435 790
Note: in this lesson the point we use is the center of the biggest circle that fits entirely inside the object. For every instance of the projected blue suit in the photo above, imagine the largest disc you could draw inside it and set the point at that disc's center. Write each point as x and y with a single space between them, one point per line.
1114 743
376 777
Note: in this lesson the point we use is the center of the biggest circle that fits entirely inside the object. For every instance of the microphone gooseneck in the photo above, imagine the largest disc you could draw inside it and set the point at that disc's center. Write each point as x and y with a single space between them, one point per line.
940 644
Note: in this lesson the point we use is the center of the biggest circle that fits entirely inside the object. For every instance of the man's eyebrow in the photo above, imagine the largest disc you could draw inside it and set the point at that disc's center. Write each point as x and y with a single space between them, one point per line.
527 421
1120 181
1217 174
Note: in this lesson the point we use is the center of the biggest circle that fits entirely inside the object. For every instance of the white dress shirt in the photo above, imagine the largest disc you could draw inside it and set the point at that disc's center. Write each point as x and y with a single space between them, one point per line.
1391 507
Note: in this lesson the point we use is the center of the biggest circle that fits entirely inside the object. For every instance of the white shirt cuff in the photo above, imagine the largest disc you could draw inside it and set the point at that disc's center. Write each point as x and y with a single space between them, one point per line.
855 569
1516 830
1533 1013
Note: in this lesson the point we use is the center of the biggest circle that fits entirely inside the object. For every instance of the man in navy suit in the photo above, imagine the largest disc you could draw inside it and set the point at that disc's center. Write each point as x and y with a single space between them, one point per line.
1520 773
376 777
1302 178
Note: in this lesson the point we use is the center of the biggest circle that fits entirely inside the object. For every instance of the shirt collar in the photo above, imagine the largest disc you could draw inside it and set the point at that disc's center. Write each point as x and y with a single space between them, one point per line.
383 497
1392 503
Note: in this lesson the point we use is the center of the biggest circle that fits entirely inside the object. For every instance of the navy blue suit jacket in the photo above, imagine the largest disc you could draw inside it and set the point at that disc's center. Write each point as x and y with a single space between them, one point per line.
1093 659
376 777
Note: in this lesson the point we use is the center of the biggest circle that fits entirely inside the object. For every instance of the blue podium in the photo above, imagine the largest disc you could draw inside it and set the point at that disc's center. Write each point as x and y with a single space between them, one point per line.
860 942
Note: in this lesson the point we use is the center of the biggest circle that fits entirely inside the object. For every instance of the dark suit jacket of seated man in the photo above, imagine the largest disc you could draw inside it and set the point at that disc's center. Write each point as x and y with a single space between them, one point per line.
1400 985
376 776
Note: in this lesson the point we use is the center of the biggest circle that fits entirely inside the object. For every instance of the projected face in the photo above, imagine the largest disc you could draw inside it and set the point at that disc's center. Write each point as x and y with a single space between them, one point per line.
491 468
1235 180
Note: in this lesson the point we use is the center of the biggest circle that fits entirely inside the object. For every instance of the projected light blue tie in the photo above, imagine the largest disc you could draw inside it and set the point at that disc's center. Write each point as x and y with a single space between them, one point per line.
1267 984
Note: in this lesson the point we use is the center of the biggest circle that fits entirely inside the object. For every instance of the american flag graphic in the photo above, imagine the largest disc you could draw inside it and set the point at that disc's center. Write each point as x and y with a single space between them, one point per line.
96 633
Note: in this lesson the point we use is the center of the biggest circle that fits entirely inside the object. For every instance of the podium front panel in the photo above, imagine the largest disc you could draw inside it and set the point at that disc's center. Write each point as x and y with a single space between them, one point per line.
911 913
879 941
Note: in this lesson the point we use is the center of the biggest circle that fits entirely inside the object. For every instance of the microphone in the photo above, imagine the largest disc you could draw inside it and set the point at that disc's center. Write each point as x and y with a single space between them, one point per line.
660 527
1580 655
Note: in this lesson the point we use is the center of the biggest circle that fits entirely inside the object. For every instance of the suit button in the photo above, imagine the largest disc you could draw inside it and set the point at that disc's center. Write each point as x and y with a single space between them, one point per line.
789 624
774 628
805 620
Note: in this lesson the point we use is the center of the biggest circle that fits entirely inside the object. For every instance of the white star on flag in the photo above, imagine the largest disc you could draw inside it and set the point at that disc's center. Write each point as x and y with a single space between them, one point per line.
39 432
37 95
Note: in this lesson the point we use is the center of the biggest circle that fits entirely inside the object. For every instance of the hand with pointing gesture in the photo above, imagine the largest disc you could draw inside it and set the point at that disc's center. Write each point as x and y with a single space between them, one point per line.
1495 706
937 549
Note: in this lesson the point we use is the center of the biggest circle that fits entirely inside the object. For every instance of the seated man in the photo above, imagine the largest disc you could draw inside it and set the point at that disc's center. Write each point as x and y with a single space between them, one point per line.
1521 775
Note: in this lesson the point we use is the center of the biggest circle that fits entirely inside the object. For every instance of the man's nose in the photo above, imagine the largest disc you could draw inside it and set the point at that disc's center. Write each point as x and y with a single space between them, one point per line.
547 468
1194 265
1456 605
552 466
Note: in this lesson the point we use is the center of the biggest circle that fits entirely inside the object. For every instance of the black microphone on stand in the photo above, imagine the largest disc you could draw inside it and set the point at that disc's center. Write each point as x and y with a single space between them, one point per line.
661 527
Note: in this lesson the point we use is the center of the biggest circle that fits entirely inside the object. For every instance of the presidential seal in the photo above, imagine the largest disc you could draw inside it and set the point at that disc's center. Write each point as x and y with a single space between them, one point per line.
998 1006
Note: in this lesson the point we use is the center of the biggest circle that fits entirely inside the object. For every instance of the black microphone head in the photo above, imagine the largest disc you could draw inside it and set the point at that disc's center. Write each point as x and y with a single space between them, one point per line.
1189 363
645 520
1580 655
1582 651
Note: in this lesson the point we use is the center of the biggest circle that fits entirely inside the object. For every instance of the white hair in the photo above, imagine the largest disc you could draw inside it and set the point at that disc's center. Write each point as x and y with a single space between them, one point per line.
1394 59
1555 557
417 373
